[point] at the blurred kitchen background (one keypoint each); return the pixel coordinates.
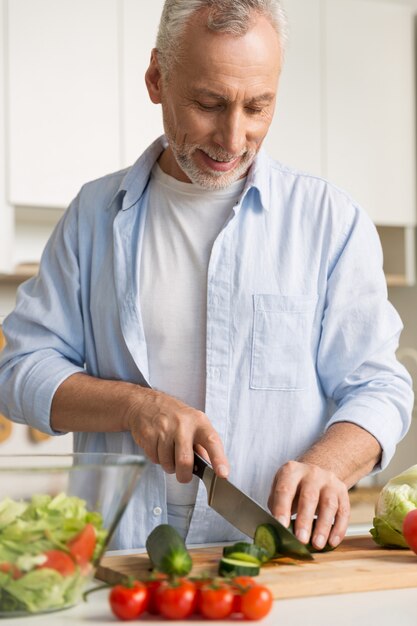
(73, 106)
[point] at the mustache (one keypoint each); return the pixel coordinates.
(221, 155)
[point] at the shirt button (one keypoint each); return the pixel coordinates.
(157, 510)
(217, 373)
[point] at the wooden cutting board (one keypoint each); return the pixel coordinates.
(358, 564)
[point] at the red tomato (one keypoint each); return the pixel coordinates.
(256, 602)
(410, 529)
(216, 602)
(10, 568)
(82, 545)
(243, 582)
(153, 585)
(237, 602)
(129, 602)
(59, 561)
(176, 600)
(240, 583)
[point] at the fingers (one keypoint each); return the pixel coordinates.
(184, 457)
(210, 441)
(168, 430)
(283, 493)
(311, 491)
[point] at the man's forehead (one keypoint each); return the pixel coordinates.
(262, 96)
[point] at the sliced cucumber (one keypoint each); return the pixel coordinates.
(167, 551)
(234, 567)
(243, 551)
(266, 538)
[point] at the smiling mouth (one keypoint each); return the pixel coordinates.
(219, 165)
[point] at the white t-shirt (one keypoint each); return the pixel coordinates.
(182, 223)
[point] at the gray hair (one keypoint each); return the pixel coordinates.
(226, 16)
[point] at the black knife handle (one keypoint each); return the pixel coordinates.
(199, 465)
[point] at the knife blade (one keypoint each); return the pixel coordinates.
(242, 512)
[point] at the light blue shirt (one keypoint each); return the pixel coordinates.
(300, 333)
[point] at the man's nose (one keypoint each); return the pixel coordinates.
(231, 133)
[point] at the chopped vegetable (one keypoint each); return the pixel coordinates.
(243, 551)
(167, 551)
(267, 538)
(234, 567)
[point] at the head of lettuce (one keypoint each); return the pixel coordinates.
(397, 498)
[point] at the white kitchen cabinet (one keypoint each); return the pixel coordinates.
(6, 210)
(63, 97)
(75, 105)
(295, 136)
(369, 103)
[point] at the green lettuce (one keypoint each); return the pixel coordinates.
(10, 510)
(27, 531)
(397, 498)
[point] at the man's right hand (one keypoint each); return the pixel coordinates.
(168, 431)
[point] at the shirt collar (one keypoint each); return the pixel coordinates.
(137, 177)
(135, 180)
(259, 179)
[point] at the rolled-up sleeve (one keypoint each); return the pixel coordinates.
(360, 334)
(44, 334)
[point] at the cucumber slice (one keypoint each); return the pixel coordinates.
(267, 538)
(234, 567)
(246, 558)
(243, 551)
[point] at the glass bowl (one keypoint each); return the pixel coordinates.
(57, 516)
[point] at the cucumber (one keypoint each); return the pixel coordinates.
(243, 551)
(267, 538)
(167, 552)
(327, 548)
(234, 567)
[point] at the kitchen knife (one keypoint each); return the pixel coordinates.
(244, 513)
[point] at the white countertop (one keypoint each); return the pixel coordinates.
(376, 608)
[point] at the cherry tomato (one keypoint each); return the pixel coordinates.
(176, 600)
(59, 561)
(10, 568)
(129, 601)
(256, 602)
(240, 583)
(216, 602)
(82, 546)
(243, 582)
(410, 529)
(153, 585)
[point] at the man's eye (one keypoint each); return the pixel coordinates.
(254, 110)
(208, 107)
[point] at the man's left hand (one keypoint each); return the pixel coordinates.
(309, 490)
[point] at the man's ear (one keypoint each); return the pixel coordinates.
(153, 78)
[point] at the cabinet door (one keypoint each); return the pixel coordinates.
(370, 106)
(142, 120)
(63, 97)
(295, 136)
(6, 211)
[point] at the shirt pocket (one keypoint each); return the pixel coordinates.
(281, 342)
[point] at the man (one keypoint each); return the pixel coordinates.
(209, 298)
